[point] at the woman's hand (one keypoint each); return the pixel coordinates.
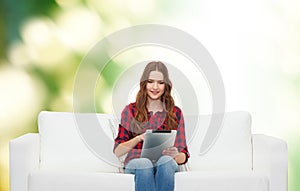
(140, 137)
(171, 151)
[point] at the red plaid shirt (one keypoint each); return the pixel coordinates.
(157, 122)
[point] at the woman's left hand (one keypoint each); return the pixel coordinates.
(172, 152)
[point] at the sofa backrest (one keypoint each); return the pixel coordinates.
(232, 148)
(65, 145)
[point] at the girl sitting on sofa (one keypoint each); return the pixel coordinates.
(154, 109)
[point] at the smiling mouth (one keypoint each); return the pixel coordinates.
(155, 92)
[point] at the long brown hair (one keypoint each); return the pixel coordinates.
(141, 99)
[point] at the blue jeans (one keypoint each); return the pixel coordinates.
(153, 177)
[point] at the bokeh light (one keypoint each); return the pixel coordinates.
(21, 98)
(41, 38)
(79, 28)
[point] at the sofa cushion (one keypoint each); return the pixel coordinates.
(79, 181)
(62, 145)
(232, 149)
(192, 181)
(221, 180)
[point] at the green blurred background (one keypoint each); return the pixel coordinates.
(255, 44)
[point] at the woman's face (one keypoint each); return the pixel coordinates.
(155, 85)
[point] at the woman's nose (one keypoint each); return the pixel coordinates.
(155, 85)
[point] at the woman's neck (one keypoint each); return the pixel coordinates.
(155, 106)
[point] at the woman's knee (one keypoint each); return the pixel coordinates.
(167, 163)
(165, 159)
(139, 163)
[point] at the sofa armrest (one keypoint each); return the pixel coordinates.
(24, 154)
(270, 155)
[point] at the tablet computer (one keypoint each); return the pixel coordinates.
(155, 142)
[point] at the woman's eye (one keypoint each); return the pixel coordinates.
(150, 81)
(161, 82)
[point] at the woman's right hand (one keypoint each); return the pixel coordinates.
(140, 137)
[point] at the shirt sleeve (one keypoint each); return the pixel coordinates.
(124, 133)
(180, 141)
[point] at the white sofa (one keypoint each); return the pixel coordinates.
(65, 155)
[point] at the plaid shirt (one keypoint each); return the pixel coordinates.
(156, 122)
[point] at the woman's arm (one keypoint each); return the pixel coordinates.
(125, 147)
(180, 141)
(125, 140)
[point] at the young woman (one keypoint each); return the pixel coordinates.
(154, 109)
